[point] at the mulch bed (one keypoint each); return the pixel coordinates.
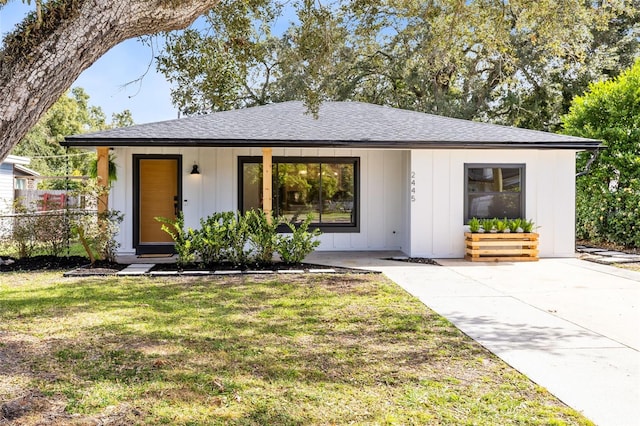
(276, 266)
(609, 246)
(80, 266)
(54, 263)
(423, 260)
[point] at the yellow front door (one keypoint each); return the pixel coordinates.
(158, 192)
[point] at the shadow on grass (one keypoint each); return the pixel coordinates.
(245, 350)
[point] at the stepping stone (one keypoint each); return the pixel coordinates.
(609, 253)
(588, 249)
(136, 269)
(627, 256)
(227, 272)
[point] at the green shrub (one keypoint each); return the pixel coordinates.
(183, 238)
(297, 245)
(211, 241)
(237, 238)
(609, 216)
(23, 236)
(97, 232)
(263, 236)
(52, 230)
(240, 239)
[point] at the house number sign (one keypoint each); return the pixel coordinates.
(413, 186)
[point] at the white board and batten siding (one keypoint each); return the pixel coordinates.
(383, 203)
(436, 215)
(410, 200)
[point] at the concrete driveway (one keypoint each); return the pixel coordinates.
(571, 326)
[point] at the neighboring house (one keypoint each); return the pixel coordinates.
(14, 176)
(374, 178)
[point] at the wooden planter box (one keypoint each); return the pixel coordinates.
(510, 247)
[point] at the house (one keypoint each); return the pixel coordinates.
(373, 177)
(15, 176)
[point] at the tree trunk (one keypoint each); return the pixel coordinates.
(32, 78)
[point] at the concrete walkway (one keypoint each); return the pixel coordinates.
(571, 326)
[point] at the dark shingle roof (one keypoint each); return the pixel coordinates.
(352, 124)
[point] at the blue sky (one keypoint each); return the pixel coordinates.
(106, 80)
(148, 100)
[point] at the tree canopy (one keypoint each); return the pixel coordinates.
(47, 51)
(71, 114)
(498, 61)
(507, 62)
(608, 197)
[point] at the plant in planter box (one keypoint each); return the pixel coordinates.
(515, 225)
(502, 225)
(487, 224)
(474, 225)
(527, 226)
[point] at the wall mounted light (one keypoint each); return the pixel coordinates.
(194, 170)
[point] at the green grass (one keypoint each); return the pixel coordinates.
(7, 249)
(305, 350)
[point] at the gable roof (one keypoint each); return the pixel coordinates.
(339, 124)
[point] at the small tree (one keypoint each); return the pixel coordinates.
(96, 232)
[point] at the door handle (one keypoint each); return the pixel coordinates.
(175, 205)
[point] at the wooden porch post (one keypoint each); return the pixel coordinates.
(103, 178)
(267, 206)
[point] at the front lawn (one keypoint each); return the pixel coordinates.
(248, 350)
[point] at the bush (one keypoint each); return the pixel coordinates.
(183, 239)
(238, 250)
(96, 231)
(605, 215)
(223, 237)
(23, 236)
(297, 245)
(263, 236)
(240, 239)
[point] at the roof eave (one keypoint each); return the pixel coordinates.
(364, 144)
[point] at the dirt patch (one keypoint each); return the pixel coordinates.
(608, 246)
(34, 408)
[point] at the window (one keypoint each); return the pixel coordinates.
(494, 190)
(325, 188)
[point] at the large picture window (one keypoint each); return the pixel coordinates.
(325, 188)
(494, 190)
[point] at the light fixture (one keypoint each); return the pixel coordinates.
(194, 170)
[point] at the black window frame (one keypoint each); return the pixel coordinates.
(520, 166)
(352, 227)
